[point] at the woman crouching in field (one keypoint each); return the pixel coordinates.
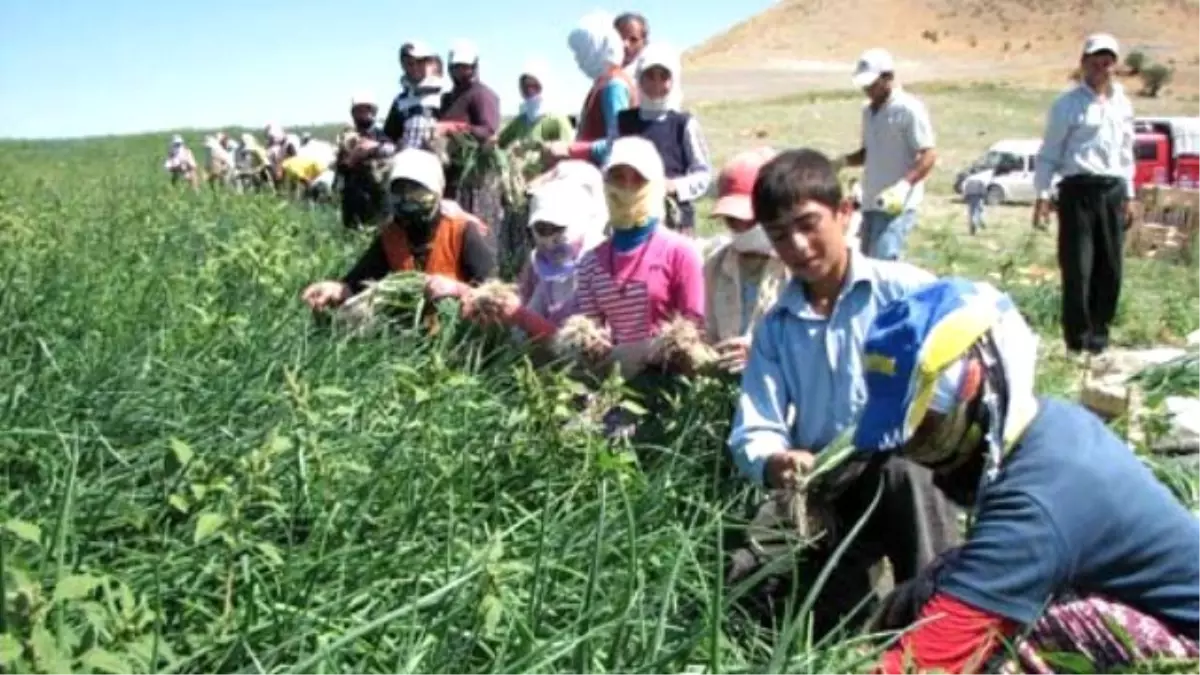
(1075, 548)
(425, 234)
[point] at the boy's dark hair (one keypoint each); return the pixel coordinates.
(792, 177)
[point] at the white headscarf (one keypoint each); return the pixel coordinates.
(575, 189)
(658, 54)
(597, 45)
(534, 107)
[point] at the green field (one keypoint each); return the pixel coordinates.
(200, 479)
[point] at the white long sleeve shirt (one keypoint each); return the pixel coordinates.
(1087, 135)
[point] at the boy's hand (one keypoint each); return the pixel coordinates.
(784, 469)
(733, 354)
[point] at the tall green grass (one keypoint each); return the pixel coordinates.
(197, 478)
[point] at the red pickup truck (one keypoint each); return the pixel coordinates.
(1166, 151)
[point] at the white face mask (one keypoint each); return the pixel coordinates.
(532, 107)
(753, 240)
(655, 105)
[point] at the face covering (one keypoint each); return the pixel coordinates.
(654, 105)
(555, 256)
(417, 212)
(753, 240)
(531, 108)
(628, 209)
(363, 123)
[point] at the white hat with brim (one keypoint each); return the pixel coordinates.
(421, 167)
(420, 50)
(871, 65)
(639, 154)
(1101, 42)
(464, 53)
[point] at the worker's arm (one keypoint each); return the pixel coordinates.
(484, 111)
(372, 265)
(698, 174)
(951, 637)
(478, 256)
(1050, 156)
(921, 137)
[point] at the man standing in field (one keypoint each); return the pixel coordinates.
(897, 155)
(1089, 142)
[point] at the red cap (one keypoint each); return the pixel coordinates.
(736, 183)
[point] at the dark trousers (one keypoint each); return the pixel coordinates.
(1091, 237)
(911, 525)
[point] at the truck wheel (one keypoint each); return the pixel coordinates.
(995, 195)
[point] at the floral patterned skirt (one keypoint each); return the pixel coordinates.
(1093, 634)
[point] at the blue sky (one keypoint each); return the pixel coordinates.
(92, 67)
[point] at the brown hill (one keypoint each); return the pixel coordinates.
(949, 39)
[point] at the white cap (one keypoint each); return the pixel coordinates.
(464, 52)
(661, 55)
(552, 203)
(638, 153)
(419, 49)
(872, 64)
(1101, 42)
(421, 167)
(177, 140)
(363, 98)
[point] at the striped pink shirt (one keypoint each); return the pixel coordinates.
(652, 283)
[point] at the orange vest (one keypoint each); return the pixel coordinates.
(591, 124)
(445, 251)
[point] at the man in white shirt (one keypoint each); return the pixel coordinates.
(897, 155)
(1089, 142)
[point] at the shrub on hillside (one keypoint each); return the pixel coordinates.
(1135, 61)
(1154, 78)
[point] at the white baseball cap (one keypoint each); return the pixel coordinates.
(363, 98)
(464, 52)
(871, 64)
(419, 50)
(1101, 42)
(421, 167)
(639, 154)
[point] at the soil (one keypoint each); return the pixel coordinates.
(801, 45)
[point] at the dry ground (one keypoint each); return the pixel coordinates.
(800, 45)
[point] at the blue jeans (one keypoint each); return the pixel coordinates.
(975, 213)
(884, 235)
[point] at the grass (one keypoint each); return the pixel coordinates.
(198, 479)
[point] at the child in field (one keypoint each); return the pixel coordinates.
(676, 135)
(644, 274)
(743, 276)
(564, 230)
(1075, 547)
(975, 195)
(805, 358)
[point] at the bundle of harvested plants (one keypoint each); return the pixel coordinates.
(493, 298)
(681, 347)
(582, 339)
(398, 298)
(477, 163)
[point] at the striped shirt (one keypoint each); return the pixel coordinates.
(636, 292)
(1087, 136)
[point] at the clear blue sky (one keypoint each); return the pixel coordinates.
(89, 67)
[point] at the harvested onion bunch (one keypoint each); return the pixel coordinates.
(681, 347)
(582, 339)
